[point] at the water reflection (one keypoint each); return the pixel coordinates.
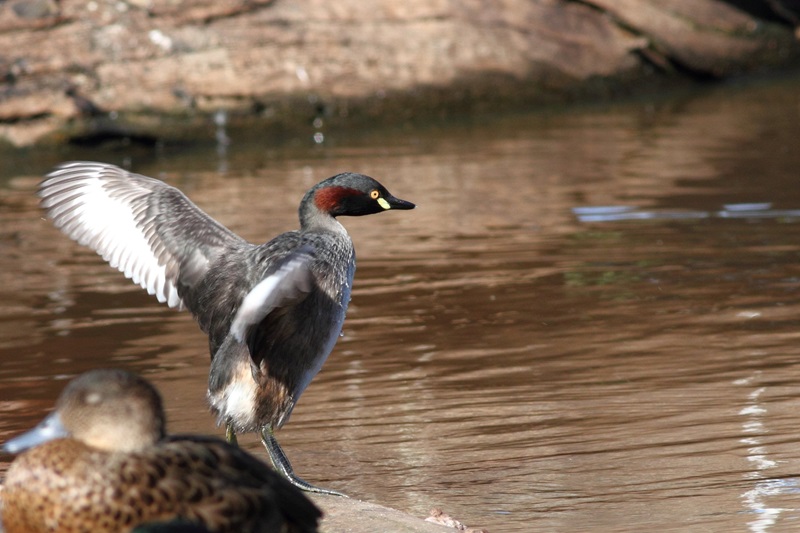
(765, 488)
(616, 213)
(505, 357)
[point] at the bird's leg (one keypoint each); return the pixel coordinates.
(230, 435)
(282, 465)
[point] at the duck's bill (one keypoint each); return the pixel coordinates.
(48, 429)
(396, 203)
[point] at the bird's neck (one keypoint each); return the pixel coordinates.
(313, 219)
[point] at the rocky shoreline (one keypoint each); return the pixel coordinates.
(356, 516)
(151, 71)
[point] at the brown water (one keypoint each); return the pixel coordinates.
(523, 365)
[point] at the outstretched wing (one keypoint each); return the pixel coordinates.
(288, 282)
(148, 230)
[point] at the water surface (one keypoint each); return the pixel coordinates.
(506, 357)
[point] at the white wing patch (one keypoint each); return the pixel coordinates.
(80, 205)
(289, 283)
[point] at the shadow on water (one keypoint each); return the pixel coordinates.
(505, 357)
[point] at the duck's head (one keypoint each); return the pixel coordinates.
(110, 410)
(350, 194)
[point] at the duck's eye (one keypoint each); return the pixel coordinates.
(375, 194)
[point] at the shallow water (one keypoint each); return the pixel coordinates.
(580, 327)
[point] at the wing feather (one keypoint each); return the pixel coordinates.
(148, 230)
(289, 282)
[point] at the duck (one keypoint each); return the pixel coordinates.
(103, 462)
(272, 312)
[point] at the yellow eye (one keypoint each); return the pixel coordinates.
(375, 194)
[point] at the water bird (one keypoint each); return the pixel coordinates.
(102, 462)
(272, 312)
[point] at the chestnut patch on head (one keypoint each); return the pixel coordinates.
(329, 198)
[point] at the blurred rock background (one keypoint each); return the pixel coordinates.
(152, 70)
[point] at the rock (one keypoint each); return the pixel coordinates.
(355, 516)
(437, 516)
(709, 38)
(161, 70)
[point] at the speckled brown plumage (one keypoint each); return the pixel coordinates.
(66, 485)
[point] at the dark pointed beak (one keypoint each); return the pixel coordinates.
(397, 203)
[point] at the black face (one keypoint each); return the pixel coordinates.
(356, 195)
